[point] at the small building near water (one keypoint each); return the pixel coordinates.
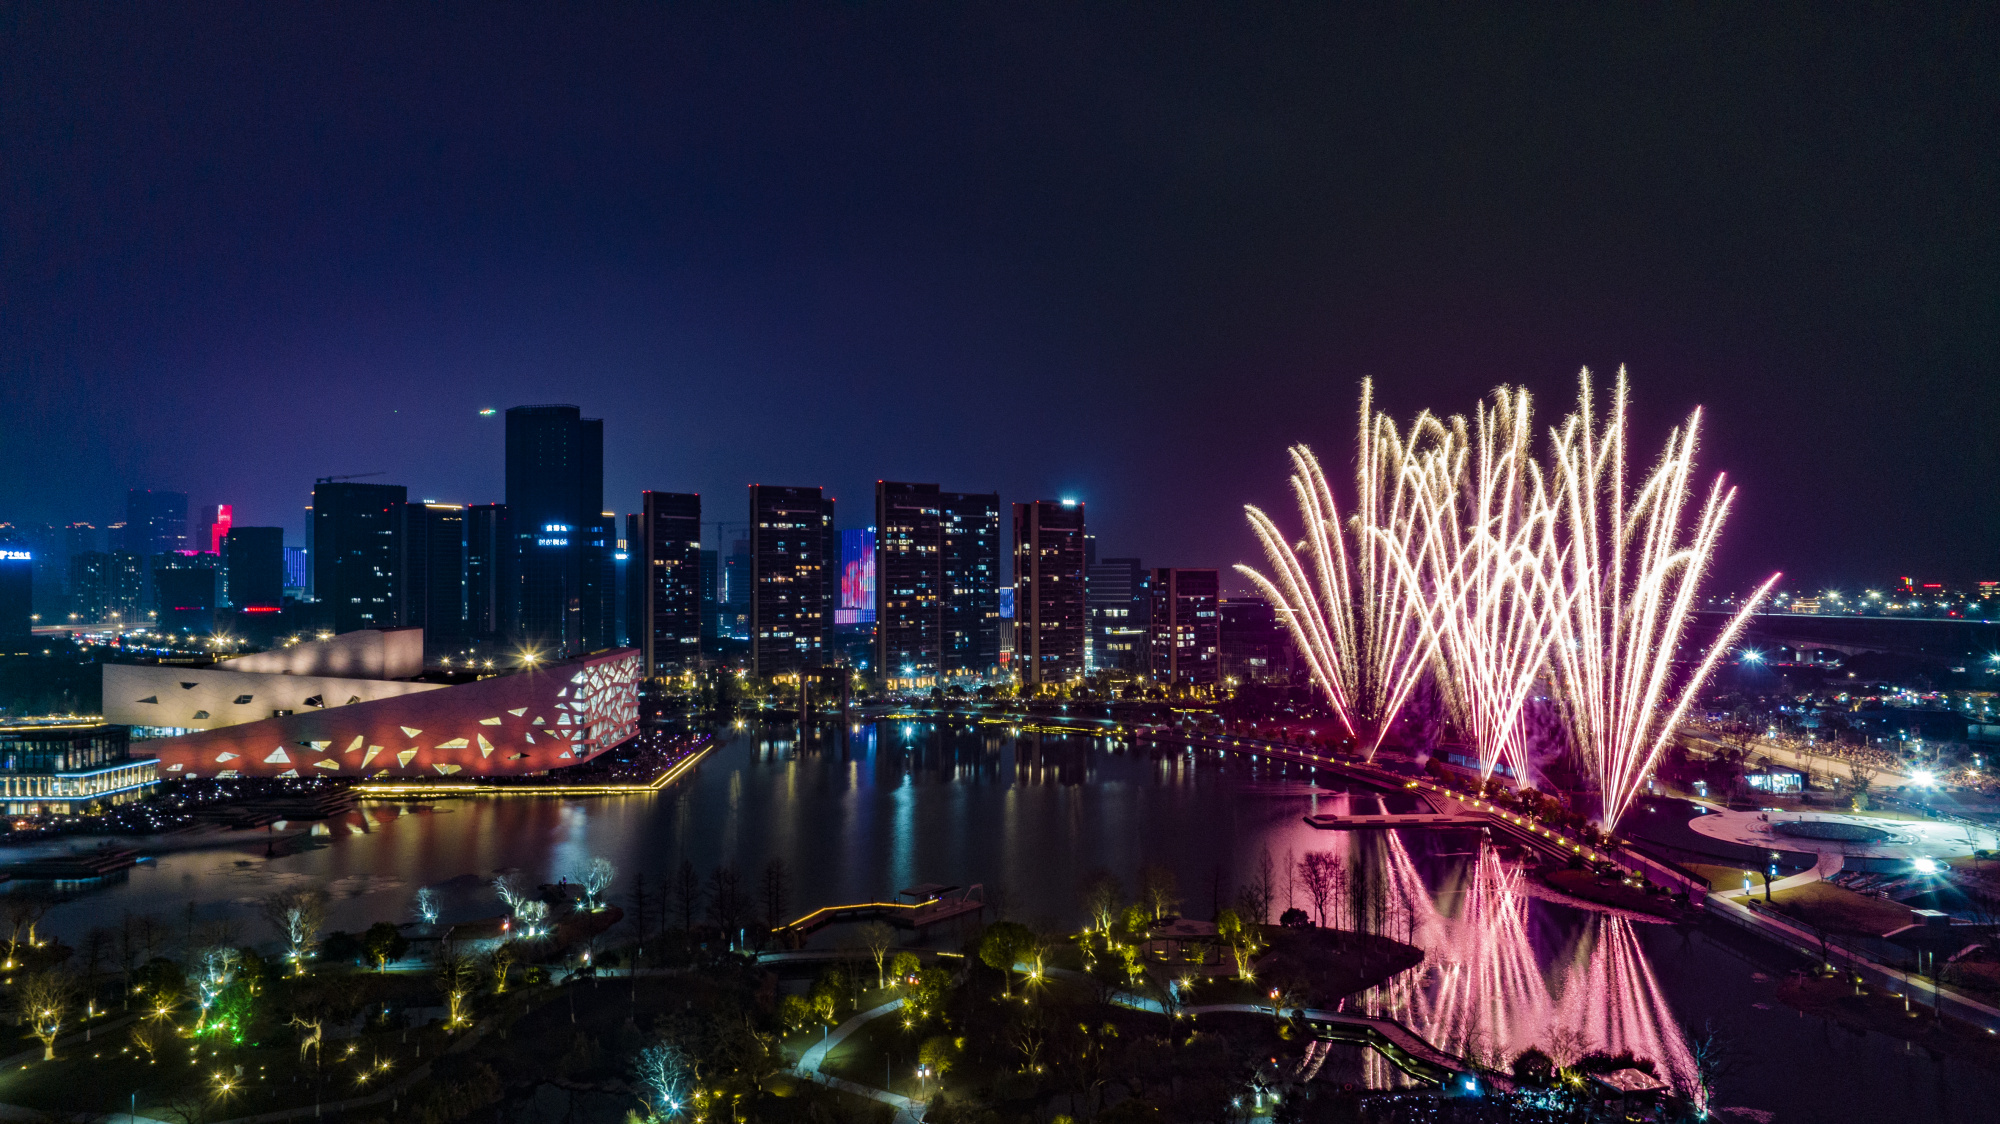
(66, 768)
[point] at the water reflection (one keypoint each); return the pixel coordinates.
(869, 811)
(1487, 992)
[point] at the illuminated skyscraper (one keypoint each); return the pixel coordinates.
(908, 578)
(17, 598)
(555, 497)
(791, 568)
(1121, 609)
(1185, 644)
(106, 587)
(213, 527)
(1049, 616)
(969, 541)
(356, 554)
(664, 541)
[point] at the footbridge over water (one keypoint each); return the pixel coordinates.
(930, 905)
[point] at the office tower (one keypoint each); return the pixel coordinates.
(555, 499)
(969, 540)
(789, 572)
(665, 543)
(186, 591)
(829, 581)
(17, 598)
(598, 564)
(155, 522)
(1256, 647)
(48, 546)
(297, 575)
(1185, 644)
(1048, 591)
(1121, 612)
(213, 527)
(738, 577)
(711, 610)
(430, 574)
(107, 587)
(908, 552)
(84, 538)
(489, 573)
(355, 553)
(253, 568)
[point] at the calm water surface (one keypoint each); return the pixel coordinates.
(890, 806)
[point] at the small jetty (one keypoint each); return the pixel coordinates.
(930, 904)
(76, 867)
(1383, 821)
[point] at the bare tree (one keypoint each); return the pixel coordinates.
(777, 893)
(878, 937)
(1318, 873)
(1102, 898)
(44, 1000)
(1159, 890)
(500, 960)
(23, 912)
(687, 894)
(298, 916)
(596, 878)
(725, 901)
(426, 905)
(456, 976)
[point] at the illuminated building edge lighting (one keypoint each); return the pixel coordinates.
(533, 721)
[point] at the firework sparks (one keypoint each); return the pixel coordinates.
(1487, 554)
(1630, 575)
(1346, 591)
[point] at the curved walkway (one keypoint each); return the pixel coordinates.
(907, 1110)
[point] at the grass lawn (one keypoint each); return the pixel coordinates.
(1876, 1010)
(1829, 907)
(1725, 878)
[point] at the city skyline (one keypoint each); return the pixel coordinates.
(956, 256)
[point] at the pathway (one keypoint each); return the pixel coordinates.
(907, 1110)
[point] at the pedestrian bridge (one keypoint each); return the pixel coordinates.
(931, 905)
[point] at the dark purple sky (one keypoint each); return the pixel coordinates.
(1123, 253)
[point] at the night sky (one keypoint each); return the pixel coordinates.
(1123, 253)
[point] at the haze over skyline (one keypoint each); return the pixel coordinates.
(1122, 256)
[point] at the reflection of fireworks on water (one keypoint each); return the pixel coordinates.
(1481, 993)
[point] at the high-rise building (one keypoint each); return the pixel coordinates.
(17, 598)
(83, 538)
(253, 568)
(969, 541)
(356, 554)
(490, 579)
(737, 580)
(1121, 612)
(1048, 591)
(908, 553)
(790, 569)
(1185, 645)
(187, 590)
(155, 522)
(599, 566)
(711, 607)
(1256, 646)
(106, 587)
(213, 527)
(555, 499)
(664, 539)
(430, 574)
(298, 572)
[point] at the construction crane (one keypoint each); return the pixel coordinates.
(356, 476)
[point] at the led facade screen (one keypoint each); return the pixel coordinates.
(857, 578)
